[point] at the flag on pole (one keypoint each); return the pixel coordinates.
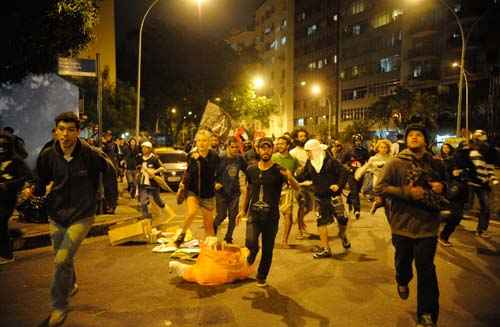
(216, 120)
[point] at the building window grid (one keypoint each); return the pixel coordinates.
(357, 7)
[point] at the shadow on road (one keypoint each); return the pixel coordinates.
(271, 301)
(205, 291)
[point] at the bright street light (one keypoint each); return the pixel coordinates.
(174, 110)
(316, 89)
(258, 82)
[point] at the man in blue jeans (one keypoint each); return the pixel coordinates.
(227, 187)
(414, 223)
(73, 167)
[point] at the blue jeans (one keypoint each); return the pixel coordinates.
(66, 241)
(226, 207)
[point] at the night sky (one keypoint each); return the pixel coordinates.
(218, 16)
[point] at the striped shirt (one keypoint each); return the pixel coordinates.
(484, 171)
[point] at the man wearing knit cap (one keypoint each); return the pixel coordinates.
(414, 222)
(328, 178)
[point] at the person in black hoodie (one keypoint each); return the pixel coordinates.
(414, 222)
(227, 187)
(328, 178)
(13, 174)
(74, 168)
(199, 184)
(354, 159)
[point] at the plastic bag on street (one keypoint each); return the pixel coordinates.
(217, 266)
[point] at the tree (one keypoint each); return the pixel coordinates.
(41, 31)
(244, 105)
(118, 103)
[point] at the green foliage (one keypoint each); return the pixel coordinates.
(118, 103)
(243, 104)
(41, 31)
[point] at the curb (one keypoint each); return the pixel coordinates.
(43, 239)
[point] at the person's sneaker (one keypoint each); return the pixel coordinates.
(180, 239)
(483, 234)
(4, 261)
(425, 320)
(74, 290)
(261, 282)
(444, 242)
(357, 214)
(57, 317)
(403, 291)
(345, 242)
(324, 253)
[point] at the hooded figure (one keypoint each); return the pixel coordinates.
(317, 154)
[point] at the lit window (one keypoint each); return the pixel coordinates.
(283, 40)
(342, 74)
(300, 122)
(418, 71)
(312, 29)
(274, 45)
(381, 20)
(335, 17)
(335, 58)
(386, 65)
(268, 30)
(357, 7)
(320, 64)
(284, 23)
(356, 29)
(355, 71)
(396, 13)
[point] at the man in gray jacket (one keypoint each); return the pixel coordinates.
(408, 182)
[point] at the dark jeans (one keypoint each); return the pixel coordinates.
(6, 210)
(457, 213)
(268, 227)
(353, 197)
(483, 195)
(226, 207)
(421, 250)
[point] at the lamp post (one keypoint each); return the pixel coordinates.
(138, 103)
(462, 60)
(465, 73)
(316, 91)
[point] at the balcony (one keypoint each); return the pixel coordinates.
(425, 51)
(423, 28)
(432, 75)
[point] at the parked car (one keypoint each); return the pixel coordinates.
(175, 164)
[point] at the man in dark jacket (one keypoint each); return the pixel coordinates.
(414, 224)
(328, 178)
(13, 174)
(73, 167)
(354, 159)
(227, 187)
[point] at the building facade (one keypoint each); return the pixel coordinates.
(274, 27)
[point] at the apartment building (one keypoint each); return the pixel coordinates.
(274, 27)
(315, 65)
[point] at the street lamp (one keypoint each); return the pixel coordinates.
(258, 82)
(173, 111)
(461, 64)
(316, 91)
(465, 73)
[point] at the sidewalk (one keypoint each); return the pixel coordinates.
(37, 235)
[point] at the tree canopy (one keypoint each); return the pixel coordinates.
(41, 31)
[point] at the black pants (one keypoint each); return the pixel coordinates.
(457, 213)
(353, 197)
(268, 227)
(226, 207)
(483, 194)
(6, 210)
(421, 250)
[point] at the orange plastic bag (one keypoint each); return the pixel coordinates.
(216, 267)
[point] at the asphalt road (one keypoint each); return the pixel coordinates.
(131, 286)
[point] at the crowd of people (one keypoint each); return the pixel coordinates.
(285, 179)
